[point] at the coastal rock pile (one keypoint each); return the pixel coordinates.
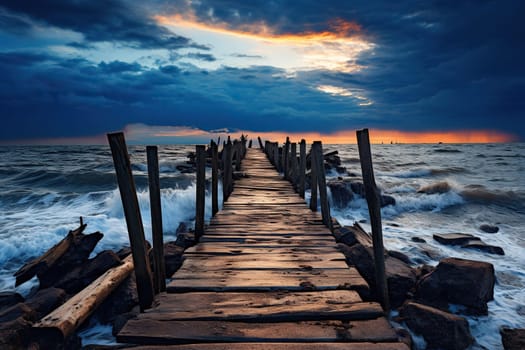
(66, 269)
(344, 191)
(423, 294)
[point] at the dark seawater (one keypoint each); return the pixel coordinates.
(45, 189)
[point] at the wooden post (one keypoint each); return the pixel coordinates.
(293, 164)
(238, 154)
(227, 172)
(374, 208)
(276, 156)
(302, 167)
(317, 148)
(313, 180)
(159, 280)
(214, 178)
(260, 142)
(130, 203)
(200, 195)
(286, 157)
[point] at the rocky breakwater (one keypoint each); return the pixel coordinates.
(64, 270)
(422, 295)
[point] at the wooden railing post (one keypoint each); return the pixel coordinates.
(374, 208)
(317, 149)
(214, 178)
(302, 167)
(238, 154)
(227, 172)
(286, 157)
(293, 164)
(131, 207)
(200, 193)
(313, 180)
(260, 142)
(159, 280)
(276, 156)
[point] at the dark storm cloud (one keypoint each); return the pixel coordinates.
(112, 21)
(201, 56)
(437, 64)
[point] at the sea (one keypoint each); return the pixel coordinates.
(44, 190)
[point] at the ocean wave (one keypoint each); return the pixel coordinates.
(447, 150)
(480, 194)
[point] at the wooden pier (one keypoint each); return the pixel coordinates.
(266, 274)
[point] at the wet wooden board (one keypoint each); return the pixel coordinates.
(235, 249)
(281, 346)
(177, 332)
(262, 261)
(268, 280)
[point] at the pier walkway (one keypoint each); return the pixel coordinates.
(267, 274)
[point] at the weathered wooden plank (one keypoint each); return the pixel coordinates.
(268, 280)
(281, 346)
(263, 306)
(232, 249)
(260, 262)
(177, 332)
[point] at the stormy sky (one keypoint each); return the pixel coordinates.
(180, 71)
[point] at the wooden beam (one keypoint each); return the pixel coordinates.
(63, 321)
(214, 178)
(201, 190)
(130, 203)
(374, 208)
(156, 219)
(313, 180)
(317, 148)
(302, 168)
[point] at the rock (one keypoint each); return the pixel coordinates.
(484, 247)
(423, 270)
(46, 300)
(387, 200)
(441, 330)
(8, 299)
(340, 169)
(438, 187)
(123, 252)
(418, 240)
(341, 193)
(513, 339)
(172, 257)
(345, 236)
(489, 228)
(455, 238)
(121, 301)
(20, 310)
(77, 254)
(185, 240)
(358, 188)
(182, 228)
(401, 280)
(459, 281)
(404, 336)
(81, 276)
(401, 256)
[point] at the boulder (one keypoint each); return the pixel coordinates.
(387, 200)
(182, 228)
(46, 300)
(441, 330)
(484, 247)
(513, 339)
(438, 187)
(341, 193)
(81, 276)
(8, 299)
(489, 228)
(418, 239)
(459, 281)
(172, 257)
(185, 240)
(121, 301)
(455, 238)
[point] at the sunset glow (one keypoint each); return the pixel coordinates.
(336, 49)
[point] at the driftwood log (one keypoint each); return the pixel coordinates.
(75, 246)
(55, 328)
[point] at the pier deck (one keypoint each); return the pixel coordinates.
(266, 275)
